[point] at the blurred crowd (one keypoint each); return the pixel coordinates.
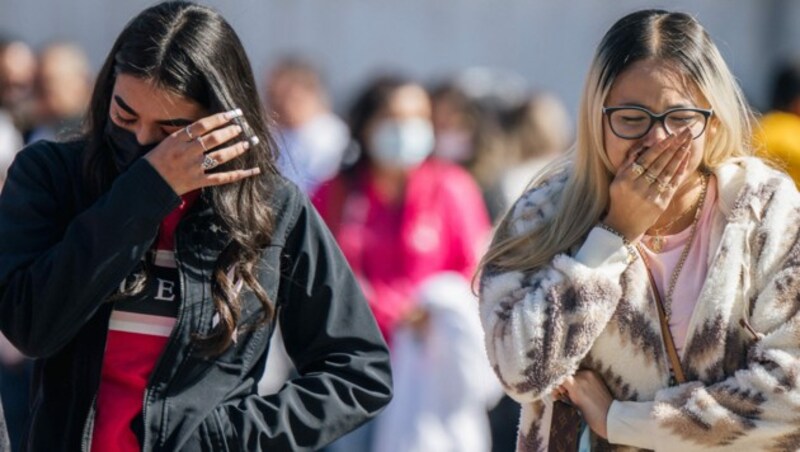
(409, 178)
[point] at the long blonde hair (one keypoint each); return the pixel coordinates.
(677, 39)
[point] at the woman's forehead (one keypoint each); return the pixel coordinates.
(152, 101)
(654, 84)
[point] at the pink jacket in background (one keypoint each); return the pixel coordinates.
(441, 225)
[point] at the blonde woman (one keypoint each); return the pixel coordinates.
(659, 215)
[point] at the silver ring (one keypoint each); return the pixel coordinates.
(203, 145)
(663, 186)
(188, 130)
(209, 162)
(650, 178)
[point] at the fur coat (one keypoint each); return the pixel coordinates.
(742, 351)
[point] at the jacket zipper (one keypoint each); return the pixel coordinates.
(170, 343)
(88, 424)
(86, 441)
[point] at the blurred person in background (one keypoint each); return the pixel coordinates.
(312, 141)
(470, 115)
(10, 143)
(17, 64)
(537, 132)
(145, 264)
(63, 90)
(648, 281)
(778, 136)
(17, 73)
(442, 378)
(455, 119)
(17, 77)
(311, 138)
(400, 217)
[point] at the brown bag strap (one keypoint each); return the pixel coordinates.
(666, 334)
(565, 428)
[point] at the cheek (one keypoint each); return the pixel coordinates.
(698, 150)
(616, 148)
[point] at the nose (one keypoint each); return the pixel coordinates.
(147, 135)
(656, 133)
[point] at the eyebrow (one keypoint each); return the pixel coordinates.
(175, 122)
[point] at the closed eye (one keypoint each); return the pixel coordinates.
(125, 121)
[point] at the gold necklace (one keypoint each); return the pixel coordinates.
(686, 248)
(657, 241)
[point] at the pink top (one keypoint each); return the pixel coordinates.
(440, 225)
(692, 276)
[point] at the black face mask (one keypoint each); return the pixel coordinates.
(126, 149)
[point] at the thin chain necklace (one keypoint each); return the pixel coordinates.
(686, 248)
(657, 241)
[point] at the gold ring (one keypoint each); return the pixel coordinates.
(209, 162)
(188, 130)
(650, 178)
(637, 169)
(200, 140)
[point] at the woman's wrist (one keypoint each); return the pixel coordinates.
(629, 246)
(611, 225)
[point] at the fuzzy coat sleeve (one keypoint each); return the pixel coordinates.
(758, 407)
(539, 325)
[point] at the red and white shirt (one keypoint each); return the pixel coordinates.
(137, 334)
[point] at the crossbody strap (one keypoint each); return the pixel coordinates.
(666, 334)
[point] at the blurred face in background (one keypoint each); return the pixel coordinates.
(63, 82)
(454, 128)
(294, 96)
(400, 136)
(17, 72)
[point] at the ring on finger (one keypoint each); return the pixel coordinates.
(637, 169)
(203, 145)
(209, 162)
(188, 130)
(662, 186)
(650, 177)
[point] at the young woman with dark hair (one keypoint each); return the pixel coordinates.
(146, 263)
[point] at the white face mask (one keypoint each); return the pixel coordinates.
(402, 143)
(453, 145)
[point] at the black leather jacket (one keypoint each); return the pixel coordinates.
(62, 253)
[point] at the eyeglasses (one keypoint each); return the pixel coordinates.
(631, 123)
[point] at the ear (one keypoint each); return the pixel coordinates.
(712, 127)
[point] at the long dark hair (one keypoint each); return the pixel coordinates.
(192, 51)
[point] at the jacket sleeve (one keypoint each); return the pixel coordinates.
(758, 407)
(330, 334)
(539, 325)
(56, 269)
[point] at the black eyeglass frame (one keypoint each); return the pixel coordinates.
(607, 111)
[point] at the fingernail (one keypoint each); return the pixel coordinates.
(246, 144)
(234, 113)
(255, 140)
(255, 171)
(237, 129)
